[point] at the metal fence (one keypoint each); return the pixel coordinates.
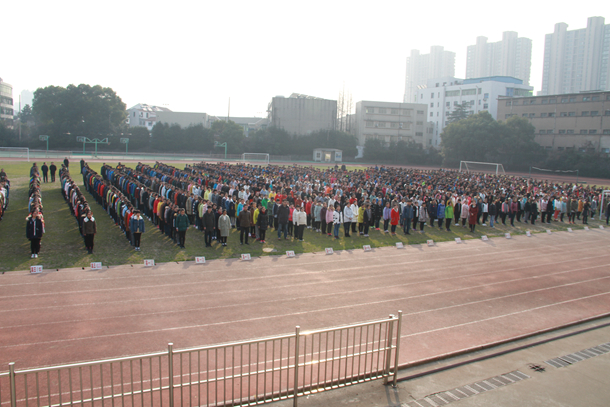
(233, 374)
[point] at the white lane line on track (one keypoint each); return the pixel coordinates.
(198, 326)
(284, 275)
(300, 285)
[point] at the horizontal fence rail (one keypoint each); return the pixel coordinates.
(232, 374)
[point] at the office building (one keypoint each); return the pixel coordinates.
(392, 122)
(143, 115)
(577, 60)
(443, 95)
(569, 121)
(512, 56)
(438, 63)
(6, 104)
(301, 114)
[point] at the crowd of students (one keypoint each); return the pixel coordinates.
(5, 187)
(34, 226)
(79, 208)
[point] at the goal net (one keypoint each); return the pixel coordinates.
(261, 158)
(22, 153)
(554, 175)
(487, 168)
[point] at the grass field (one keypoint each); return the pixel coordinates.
(62, 245)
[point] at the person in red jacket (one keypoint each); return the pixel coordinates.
(394, 218)
(472, 215)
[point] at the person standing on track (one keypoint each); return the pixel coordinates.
(89, 231)
(45, 172)
(136, 226)
(224, 225)
(34, 229)
(244, 225)
(53, 169)
(182, 225)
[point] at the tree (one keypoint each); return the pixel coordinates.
(26, 116)
(461, 112)
(230, 133)
(82, 110)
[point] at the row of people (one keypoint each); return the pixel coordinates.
(5, 187)
(35, 225)
(79, 208)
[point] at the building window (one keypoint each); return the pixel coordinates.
(552, 101)
(432, 104)
(572, 114)
(532, 115)
(585, 113)
(432, 95)
(472, 103)
(544, 101)
(552, 114)
(607, 113)
(394, 125)
(572, 100)
(452, 93)
(595, 99)
(563, 114)
(508, 103)
(548, 148)
(420, 112)
(543, 114)
(431, 114)
(607, 131)
(570, 131)
(381, 124)
(394, 111)
(606, 150)
(583, 132)
(419, 123)
(486, 106)
(560, 148)
(542, 131)
(515, 102)
(549, 132)
(370, 110)
(382, 111)
(586, 99)
(592, 131)
(370, 123)
(562, 132)
(525, 114)
(594, 113)
(468, 92)
(418, 134)
(486, 96)
(448, 104)
(564, 100)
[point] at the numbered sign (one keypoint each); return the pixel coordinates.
(570, 230)
(507, 235)
(458, 240)
(96, 266)
(289, 253)
(35, 269)
(601, 227)
(430, 242)
(528, 234)
(484, 238)
(399, 245)
(329, 250)
(367, 247)
(246, 256)
(586, 227)
(149, 263)
(200, 260)
(548, 231)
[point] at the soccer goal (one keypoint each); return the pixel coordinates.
(488, 168)
(15, 152)
(261, 158)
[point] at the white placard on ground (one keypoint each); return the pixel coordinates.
(399, 245)
(290, 253)
(366, 247)
(96, 265)
(507, 235)
(430, 242)
(570, 230)
(245, 256)
(548, 231)
(149, 263)
(586, 227)
(458, 240)
(329, 250)
(200, 260)
(484, 238)
(601, 226)
(528, 234)
(35, 269)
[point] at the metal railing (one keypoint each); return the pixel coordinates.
(233, 374)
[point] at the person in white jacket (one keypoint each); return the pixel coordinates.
(348, 218)
(299, 217)
(337, 221)
(354, 208)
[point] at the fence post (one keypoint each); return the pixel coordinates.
(11, 372)
(296, 365)
(388, 345)
(398, 329)
(170, 361)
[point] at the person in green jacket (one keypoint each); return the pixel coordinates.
(448, 214)
(182, 224)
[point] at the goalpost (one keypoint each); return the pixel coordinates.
(262, 158)
(488, 168)
(15, 152)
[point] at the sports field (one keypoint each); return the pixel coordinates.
(62, 245)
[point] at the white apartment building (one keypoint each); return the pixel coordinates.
(438, 63)
(577, 60)
(512, 56)
(6, 104)
(392, 122)
(143, 115)
(442, 95)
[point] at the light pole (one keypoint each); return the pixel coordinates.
(95, 141)
(126, 142)
(44, 137)
(217, 144)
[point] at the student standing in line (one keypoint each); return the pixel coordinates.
(34, 229)
(394, 218)
(136, 226)
(224, 224)
(337, 221)
(262, 224)
(244, 225)
(472, 215)
(209, 224)
(45, 172)
(448, 214)
(89, 231)
(53, 169)
(182, 225)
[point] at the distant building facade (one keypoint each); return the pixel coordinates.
(249, 124)
(569, 121)
(512, 56)
(392, 122)
(438, 63)
(143, 115)
(443, 95)
(301, 114)
(6, 104)
(182, 119)
(577, 60)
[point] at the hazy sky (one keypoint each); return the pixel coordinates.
(194, 55)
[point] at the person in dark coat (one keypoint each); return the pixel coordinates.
(53, 169)
(45, 172)
(473, 212)
(262, 223)
(209, 225)
(89, 229)
(244, 225)
(34, 229)
(182, 225)
(283, 213)
(136, 226)
(67, 163)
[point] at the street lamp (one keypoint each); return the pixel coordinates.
(44, 137)
(126, 142)
(217, 144)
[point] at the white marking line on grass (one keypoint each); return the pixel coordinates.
(325, 310)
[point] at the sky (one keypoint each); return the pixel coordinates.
(193, 56)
